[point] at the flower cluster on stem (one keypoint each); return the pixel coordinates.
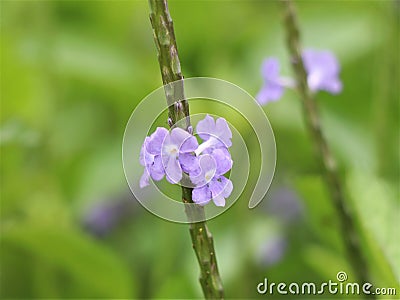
(170, 154)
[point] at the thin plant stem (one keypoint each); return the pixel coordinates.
(178, 115)
(312, 119)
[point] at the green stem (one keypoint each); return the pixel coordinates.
(312, 119)
(178, 109)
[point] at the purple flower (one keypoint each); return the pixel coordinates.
(177, 150)
(150, 157)
(104, 216)
(285, 205)
(272, 250)
(160, 155)
(172, 153)
(322, 70)
(273, 87)
(215, 134)
(209, 180)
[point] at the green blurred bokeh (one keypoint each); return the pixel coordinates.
(73, 71)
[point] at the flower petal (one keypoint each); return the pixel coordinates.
(270, 92)
(207, 163)
(223, 160)
(201, 195)
(178, 136)
(189, 162)
(145, 158)
(142, 159)
(221, 186)
(157, 164)
(219, 201)
(322, 71)
(205, 172)
(189, 145)
(216, 188)
(157, 169)
(314, 80)
(270, 68)
(333, 86)
(197, 178)
(205, 126)
(173, 170)
(156, 141)
(144, 180)
(228, 187)
(223, 132)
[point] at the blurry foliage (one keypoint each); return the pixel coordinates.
(73, 71)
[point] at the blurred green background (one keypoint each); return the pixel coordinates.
(73, 71)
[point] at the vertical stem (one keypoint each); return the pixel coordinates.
(170, 67)
(312, 119)
(178, 109)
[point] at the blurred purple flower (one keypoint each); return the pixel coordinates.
(285, 205)
(105, 215)
(273, 87)
(322, 70)
(209, 180)
(101, 219)
(272, 250)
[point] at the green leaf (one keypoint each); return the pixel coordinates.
(84, 267)
(375, 203)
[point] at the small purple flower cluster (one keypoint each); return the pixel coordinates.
(172, 153)
(322, 70)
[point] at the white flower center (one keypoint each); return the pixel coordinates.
(171, 150)
(209, 175)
